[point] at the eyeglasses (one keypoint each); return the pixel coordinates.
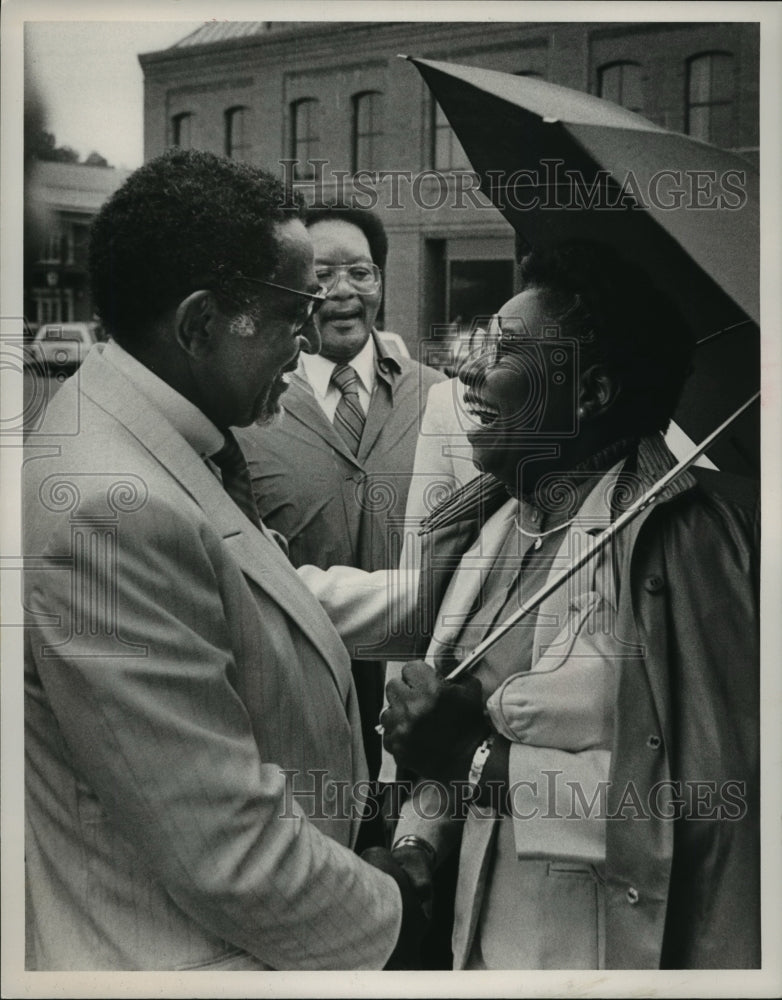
(363, 278)
(491, 343)
(308, 309)
(506, 335)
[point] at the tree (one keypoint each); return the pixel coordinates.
(42, 145)
(96, 160)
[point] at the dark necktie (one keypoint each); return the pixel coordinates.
(349, 418)
(236, 477)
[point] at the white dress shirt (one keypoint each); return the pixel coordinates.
(318, 371)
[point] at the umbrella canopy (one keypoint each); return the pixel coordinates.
(561, 164)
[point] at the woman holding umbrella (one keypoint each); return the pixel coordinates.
(600, 766)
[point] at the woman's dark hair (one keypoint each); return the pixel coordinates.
(621, 321)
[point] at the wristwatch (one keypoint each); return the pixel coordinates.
(479, 759)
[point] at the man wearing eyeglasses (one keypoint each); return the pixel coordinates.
(333, 475)
(189, 707)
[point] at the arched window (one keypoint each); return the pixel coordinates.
(710, 95)
(620, 82)
(182, 130)
(447, 152)
(305, 136)
(237, 139)
(367, 129)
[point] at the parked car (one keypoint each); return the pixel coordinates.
(62, 347)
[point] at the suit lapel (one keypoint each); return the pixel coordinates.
(380, 409)
(258, 555)
(300, 403)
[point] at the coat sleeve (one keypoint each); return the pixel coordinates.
(161, 736)
(374, 612)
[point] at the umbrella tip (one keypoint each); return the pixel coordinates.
(401, 55)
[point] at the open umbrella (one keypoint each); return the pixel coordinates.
(561, 164)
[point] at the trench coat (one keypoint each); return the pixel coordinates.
(682, 859)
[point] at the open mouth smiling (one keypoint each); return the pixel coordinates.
(344, 316)
(479, 410)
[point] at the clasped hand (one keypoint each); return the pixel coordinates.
(433, 726)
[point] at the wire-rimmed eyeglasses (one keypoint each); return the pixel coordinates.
(363, 278)
(308, 309)
(488, 343)
(503, 335)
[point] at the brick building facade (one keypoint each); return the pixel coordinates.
(329, 103)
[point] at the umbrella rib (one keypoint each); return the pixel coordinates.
(725, 329)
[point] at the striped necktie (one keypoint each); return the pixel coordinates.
(236, 477)
(349, 417)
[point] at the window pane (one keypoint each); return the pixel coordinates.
(364, 113)
(632, 91)
(305, 137)
(447, 151)
(699, 123)
(621, 83)
(459, 159)
(236, 133)
(367, 130)
(610, 87)
(699, 80)
(182, 133)
(710, 98)
(477, 288)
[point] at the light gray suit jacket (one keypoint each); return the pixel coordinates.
(175, 666)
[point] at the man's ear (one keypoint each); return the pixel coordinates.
(194, 323)
(597, 391)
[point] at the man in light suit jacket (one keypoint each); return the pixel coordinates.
(189, 708)
(338, 496)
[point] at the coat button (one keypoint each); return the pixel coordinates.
(632, 896)
(654, 742)
(654, 584)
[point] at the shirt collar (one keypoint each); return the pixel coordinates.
(318, 370)
(184, 416)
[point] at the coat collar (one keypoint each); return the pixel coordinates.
(259, 556)
(482, 500)
(301, 404)
(483, 495)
